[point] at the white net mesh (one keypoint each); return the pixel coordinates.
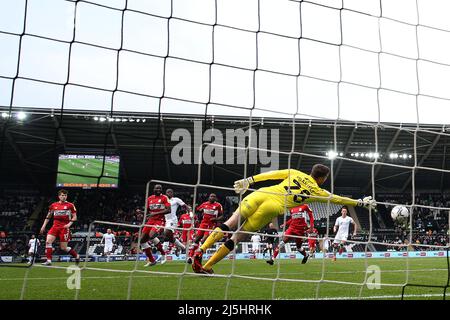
(372, 65)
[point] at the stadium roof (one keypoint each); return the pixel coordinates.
(30, 149)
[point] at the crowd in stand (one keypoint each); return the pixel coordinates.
(127, 209)
(426, 218)
(430, 225)
(431, 239)
(15, 211)
(10, 246)
(420, 242)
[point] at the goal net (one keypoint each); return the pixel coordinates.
(194, 95)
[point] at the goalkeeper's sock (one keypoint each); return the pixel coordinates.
(215, 236)
(223, 251)
(48, 252)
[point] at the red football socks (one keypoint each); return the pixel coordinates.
(48, 253)
(275, 252)
(148, 253)
(192, 250)
(160, 248)
(73, 253)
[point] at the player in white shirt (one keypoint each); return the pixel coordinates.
(172, 221)
(256, 243)
(33, 245)
(109, 239)
(342, 226)
(325, 244)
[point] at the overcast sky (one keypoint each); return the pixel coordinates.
(386, 69)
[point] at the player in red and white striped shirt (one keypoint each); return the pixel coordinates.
(64, 215)
(312, 240)
(212, 213)
(157, 206)
(297, 226)
(187, 221)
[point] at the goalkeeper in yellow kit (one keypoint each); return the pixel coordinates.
(263, 205)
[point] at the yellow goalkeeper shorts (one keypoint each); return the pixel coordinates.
(259, 208)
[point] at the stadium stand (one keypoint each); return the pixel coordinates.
(430, 226)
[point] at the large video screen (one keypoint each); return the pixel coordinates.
(83, 171)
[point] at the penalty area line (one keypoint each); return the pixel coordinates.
(425, 295)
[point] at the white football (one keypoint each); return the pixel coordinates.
(399, 213)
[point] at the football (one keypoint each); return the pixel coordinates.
(399, 213)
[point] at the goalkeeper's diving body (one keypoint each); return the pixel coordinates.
(263, 205)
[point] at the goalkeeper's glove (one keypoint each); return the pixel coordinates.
(241, 186)
(367, 202)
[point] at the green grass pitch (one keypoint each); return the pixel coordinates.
(93, 168)
(255, 282)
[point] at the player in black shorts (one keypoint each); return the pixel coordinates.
(270, 239)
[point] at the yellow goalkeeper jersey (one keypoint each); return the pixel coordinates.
(298, 188)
